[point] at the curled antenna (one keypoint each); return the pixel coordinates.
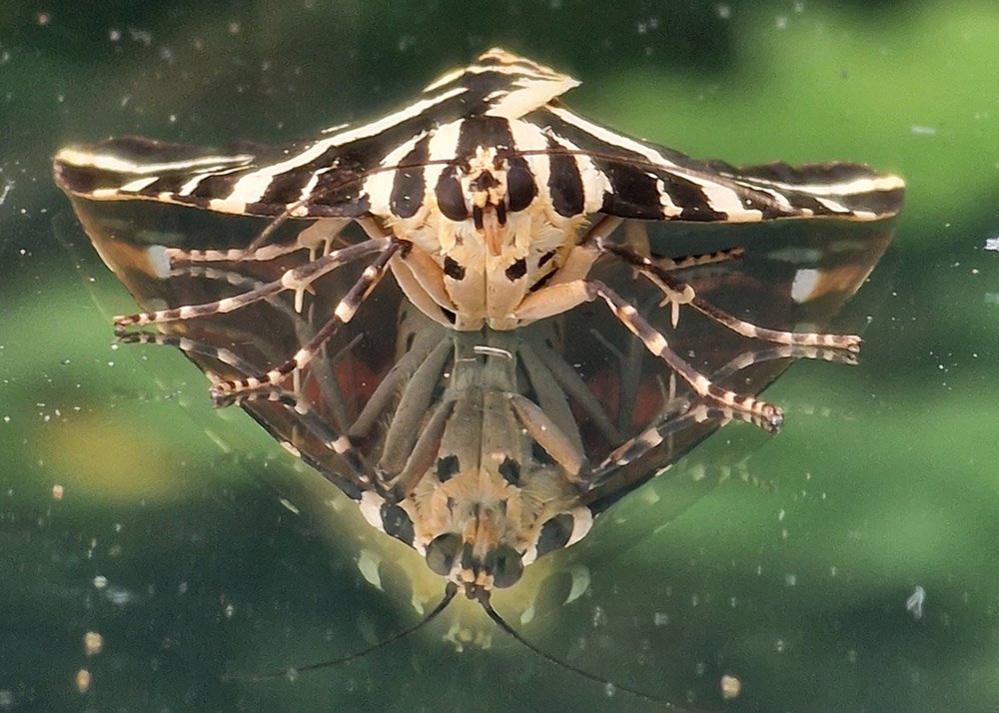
(292, 672)
(611, 685)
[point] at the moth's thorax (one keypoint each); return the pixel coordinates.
(491, 260)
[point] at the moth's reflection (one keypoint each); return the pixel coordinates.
(484, 451)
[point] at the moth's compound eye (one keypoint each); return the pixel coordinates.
(397, 523)
(441, 552)
(451, 199)
(519, 187)
(555, 533)
(509, 566)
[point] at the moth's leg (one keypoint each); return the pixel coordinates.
(292, 279)
(418, 296)
(422, 281)
(679, 292)
(238, 279)
(313, 422)
(322, 232)
(292, 401)
(402, 372)
(424, 452)
(668, 424)
(322, 370)
(572, 385)
(636, 238)
(550, 395)
(413, 406)
(190, 346)
(679, 415)
(429, 274)
(549, 436)
(559, 298)
(785, 351)
(342, 314)
(697, 260)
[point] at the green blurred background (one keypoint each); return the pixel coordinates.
(170, 539)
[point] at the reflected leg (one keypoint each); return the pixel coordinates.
(559, 298)
(342, 314)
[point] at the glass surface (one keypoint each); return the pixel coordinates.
(153, 546)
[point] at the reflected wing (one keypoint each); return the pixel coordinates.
(618, 175)
(318, 178)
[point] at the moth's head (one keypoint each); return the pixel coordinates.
(489, 551)
(478, 555)
(485, 188)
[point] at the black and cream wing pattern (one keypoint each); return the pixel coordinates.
(393, 166)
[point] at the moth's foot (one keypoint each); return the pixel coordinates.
(229, 389)
(770, 418)
(760, 413)
(851, 342)
(121, 322)
(222, 400)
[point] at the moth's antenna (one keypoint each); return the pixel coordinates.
(501, 623)
(293, 671)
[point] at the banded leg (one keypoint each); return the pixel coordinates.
(567, 381)
(190, 347)
(314, 423)
(677, 413)
(289, 400)
(679, 292)
(697, 260)
(342, 314)
(238, 279)
(636, 238)
(562, 297)
(293, 279)
(322, 370)
(321, 232)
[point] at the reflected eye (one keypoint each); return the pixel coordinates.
(441, 552)
(509, 567)
(555, 533)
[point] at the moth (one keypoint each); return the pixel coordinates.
(488, 200)
(485, 451)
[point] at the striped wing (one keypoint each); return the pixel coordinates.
(507, 102)
(601, 170)
(320, 178)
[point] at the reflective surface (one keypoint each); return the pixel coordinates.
(845, 564)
